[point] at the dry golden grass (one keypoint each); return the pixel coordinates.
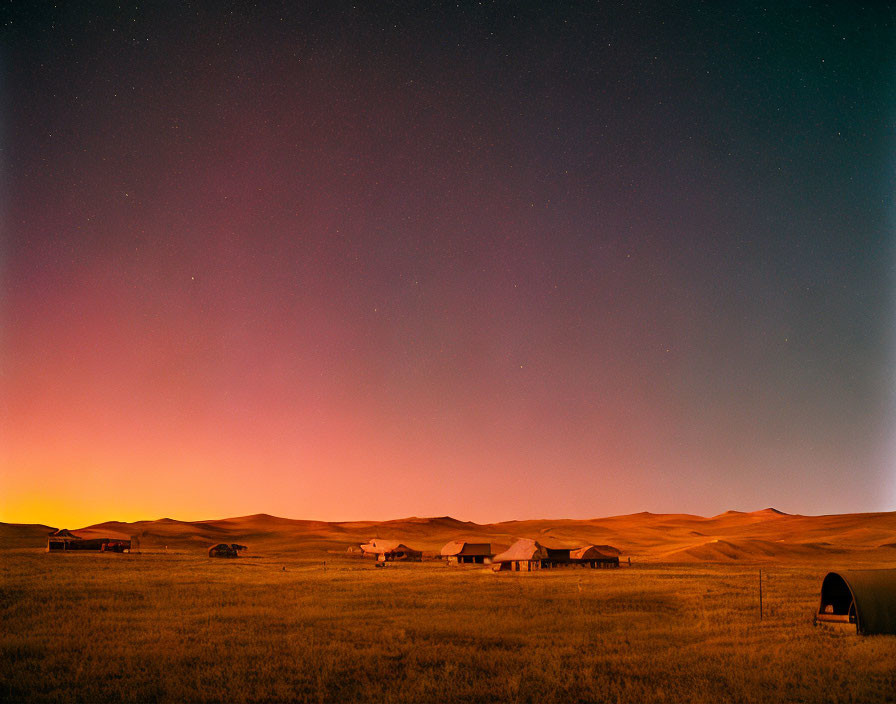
(184, 628)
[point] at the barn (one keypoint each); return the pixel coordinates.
(88, 539)
(860, 599)
(389, 550)
(460, 552)
(525, 555)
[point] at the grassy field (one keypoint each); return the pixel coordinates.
(183, 628)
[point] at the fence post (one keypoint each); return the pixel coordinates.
(760, 594)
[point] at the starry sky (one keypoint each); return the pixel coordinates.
(494, 260)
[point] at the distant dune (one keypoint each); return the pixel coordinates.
(733, 536)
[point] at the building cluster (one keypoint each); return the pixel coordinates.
(64, 540)
(528, 555)
(524, 555)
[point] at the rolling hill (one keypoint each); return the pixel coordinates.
(766, 535)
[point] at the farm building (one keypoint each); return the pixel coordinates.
(527, 555)
(591, 556)
(461, 552)
(524, 555)
(225, 550)
(865, 599)
(64, 540)
(389, 550)
(587, 556)
(557, 557)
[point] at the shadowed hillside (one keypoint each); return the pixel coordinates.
(23, 535)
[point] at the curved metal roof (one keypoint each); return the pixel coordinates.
(874, 595)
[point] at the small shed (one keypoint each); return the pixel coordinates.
(525, 555)
(389, 550)
(461, 552)
(225, 550)
(61, 539)
(864, 599)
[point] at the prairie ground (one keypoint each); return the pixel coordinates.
(184, 628)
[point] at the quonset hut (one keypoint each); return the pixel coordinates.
(461, 552)
(860, 599)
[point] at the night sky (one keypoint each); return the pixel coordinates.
(493, 260)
